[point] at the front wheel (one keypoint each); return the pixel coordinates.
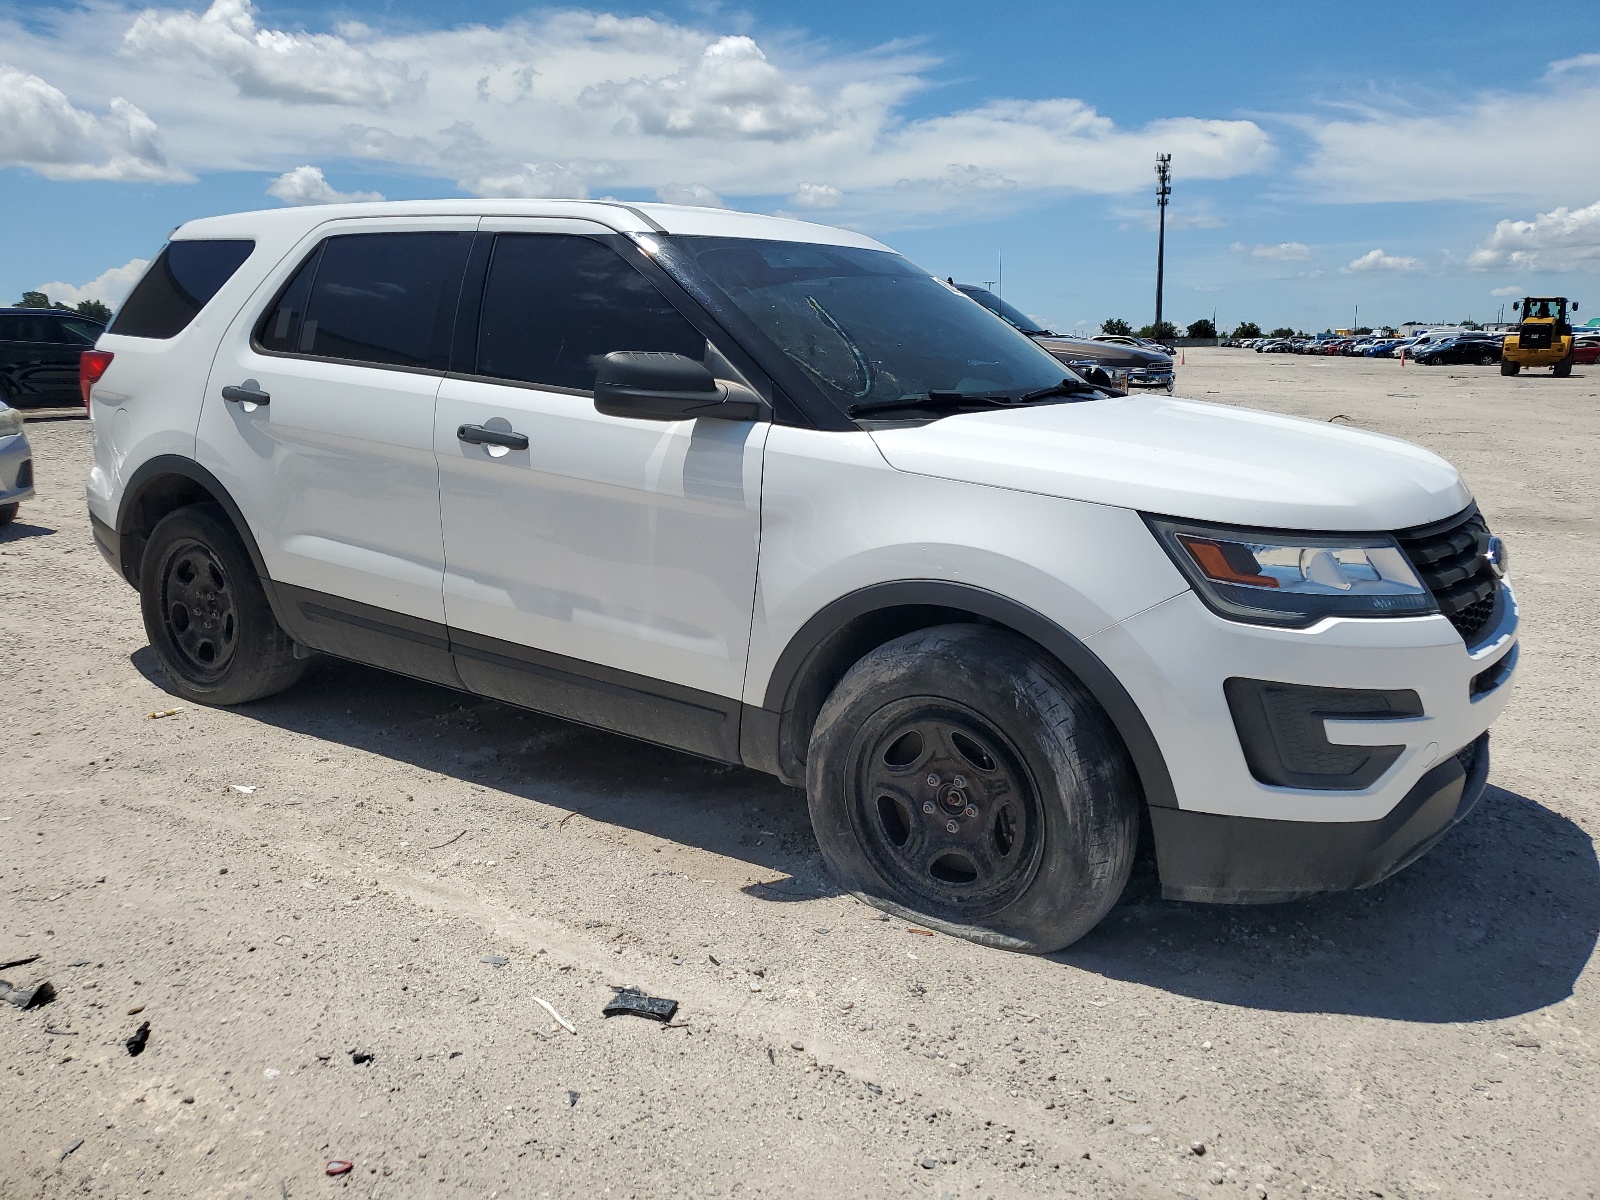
(1563, 368)
(206, 614)
(959, 778)
(8, 513)
(1509, 368)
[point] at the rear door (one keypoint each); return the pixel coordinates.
(606, 571)
(334, 470)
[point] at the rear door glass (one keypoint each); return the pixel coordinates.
(382, 298)
(554, 305)
(181, 281)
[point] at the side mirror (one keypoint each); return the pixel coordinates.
(1516, 306)
(650, 385)
(1574, 306)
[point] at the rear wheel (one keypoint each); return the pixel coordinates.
(1563, 368)
(958, 778)
(8, 513)
(1509, 368)
(206, 614)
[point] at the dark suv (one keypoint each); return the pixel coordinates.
(39, 349)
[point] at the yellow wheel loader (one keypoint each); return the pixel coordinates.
(1542, 339)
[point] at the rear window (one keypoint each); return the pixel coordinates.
(382, 298)
(178, 285)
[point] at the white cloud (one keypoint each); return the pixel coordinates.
(1282, 252)
(1506, 291)
(1148, 218)
(1377, 260)
(816, 195)
(296, 68)
(1493, 146)
(308, 185)
(698, 195)
(541, 181)
(536, 104)
(732, 90)
(1579, 62)
(42, 130)
(110, 287)
(1564, 239)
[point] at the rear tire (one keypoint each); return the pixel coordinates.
(1563, 368)
(1509, 368)
(206, 614)
(960, 779)
(8, 513)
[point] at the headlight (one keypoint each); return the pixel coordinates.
(10, 421)
(1294, 579)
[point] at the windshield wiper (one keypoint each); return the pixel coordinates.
(952, 400)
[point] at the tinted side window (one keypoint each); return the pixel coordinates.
(181, 281)
(30, 327)
(384, 298)
(555, 304)
(73, 332)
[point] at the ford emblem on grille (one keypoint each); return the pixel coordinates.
(1497, 557)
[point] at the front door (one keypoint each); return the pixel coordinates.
(334, 471)
(606, 570)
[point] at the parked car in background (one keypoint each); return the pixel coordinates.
(1586, 350)
(1134, 365)
(16, 463)
(39, 350)
(1459, 351)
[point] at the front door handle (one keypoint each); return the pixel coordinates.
(477, 435)
(248, 392)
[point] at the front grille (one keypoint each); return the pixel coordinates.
(1451, 557)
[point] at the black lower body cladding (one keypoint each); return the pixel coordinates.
(1216, 859)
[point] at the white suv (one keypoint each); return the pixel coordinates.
(764, 491)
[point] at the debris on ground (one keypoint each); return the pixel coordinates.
(362, 1057)
(62, 1157)
(25, 998)
(565, 1024)
(241, 789)
(81, 962)
(139, 1039)
(1198, 1149)
(572, 1099)
(450, 841)
(633, 1002)
(164, 712)
(19, 962)
(136, 1010)
(495, 960)
(338, 1166)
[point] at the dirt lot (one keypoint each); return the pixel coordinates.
(278, 886)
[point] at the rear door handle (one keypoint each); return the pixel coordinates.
(477, 435)
(248, 392)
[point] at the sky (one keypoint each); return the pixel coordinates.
(1359, 164)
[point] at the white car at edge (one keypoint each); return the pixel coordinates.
(764, 491)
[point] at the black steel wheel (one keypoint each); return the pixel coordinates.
(207, 615)
(959, 777)
(197, 610)
(945, 805)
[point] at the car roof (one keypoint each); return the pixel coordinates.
(15, 311)
(621, 216)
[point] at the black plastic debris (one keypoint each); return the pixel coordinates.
(25, 998)
(572, 1099)
(632, 1002)
(19, 962)
(140, 1038)
(361, 1057)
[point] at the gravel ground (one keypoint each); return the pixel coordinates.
(281, 888)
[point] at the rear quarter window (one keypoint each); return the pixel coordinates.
(181, 281)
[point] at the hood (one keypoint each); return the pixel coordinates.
(1184, 458)
(1109, 354)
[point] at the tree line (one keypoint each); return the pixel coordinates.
(93, 309)
(1203, 328)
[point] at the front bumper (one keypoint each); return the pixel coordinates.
(16, 469)
(1243, 860)
(1152, 377)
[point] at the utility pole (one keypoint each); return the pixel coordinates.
(1163, 190)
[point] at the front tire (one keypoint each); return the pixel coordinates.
(1509, 368)
(8, 513)
(206, 614)
(1563, 368)
(959, 778)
